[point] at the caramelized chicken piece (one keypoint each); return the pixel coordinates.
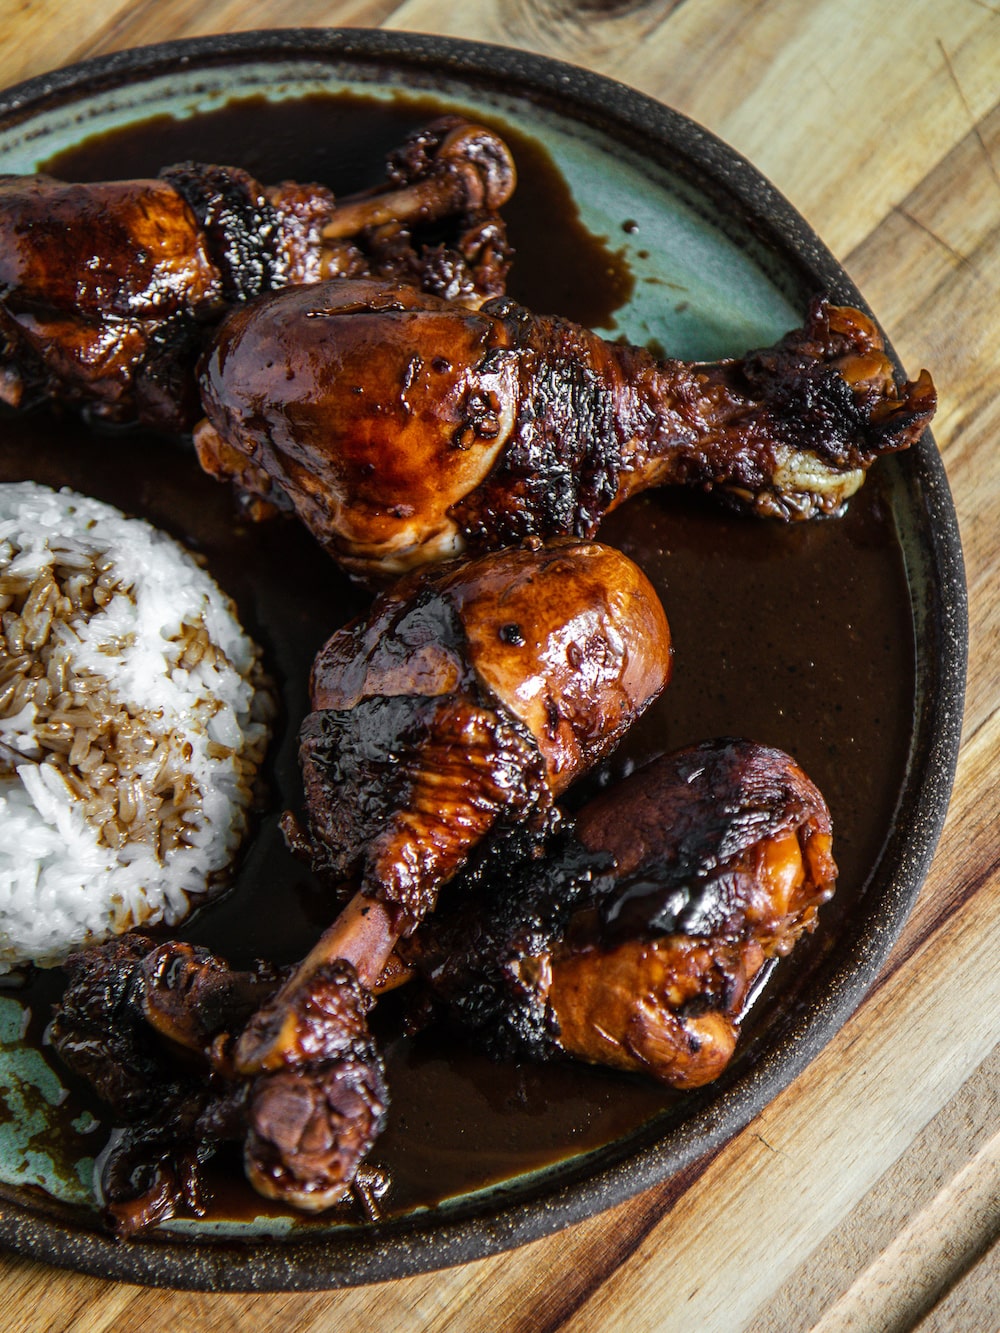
(636, 942)
(138, 1021)
(108, 289)
(464, 703)
(317, 1096)
(404, 430)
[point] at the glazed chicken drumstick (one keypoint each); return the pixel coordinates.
(464, 704)
(107, 290)
(404, 430)
(636, 942)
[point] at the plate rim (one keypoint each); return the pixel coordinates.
(425, 1241)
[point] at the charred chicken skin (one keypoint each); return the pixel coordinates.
(464, 704)
(404, 430)
(636, 941)
(108, 289)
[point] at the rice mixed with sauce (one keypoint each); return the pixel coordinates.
(134, 714)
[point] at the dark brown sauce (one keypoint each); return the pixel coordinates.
(798, 636)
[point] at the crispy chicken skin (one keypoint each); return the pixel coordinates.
(635, 943)
(108, 289)
(404, 430)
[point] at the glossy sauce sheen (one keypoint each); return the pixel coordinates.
(797, 636)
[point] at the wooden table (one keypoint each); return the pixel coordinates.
(867, 1196)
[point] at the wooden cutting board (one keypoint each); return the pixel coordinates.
(866, 1196)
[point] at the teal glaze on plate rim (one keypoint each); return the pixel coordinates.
(750, 261)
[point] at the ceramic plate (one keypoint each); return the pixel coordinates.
(842, 641)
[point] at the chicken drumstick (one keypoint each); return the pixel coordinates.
(635, 943)
(404, 430)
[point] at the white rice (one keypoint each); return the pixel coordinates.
(133, 717)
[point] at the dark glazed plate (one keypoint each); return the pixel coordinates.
(843, 642)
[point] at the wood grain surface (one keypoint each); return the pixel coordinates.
(867, 1196)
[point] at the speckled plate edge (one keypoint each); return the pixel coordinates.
(932, 549)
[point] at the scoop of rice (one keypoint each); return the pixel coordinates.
(133, 716)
